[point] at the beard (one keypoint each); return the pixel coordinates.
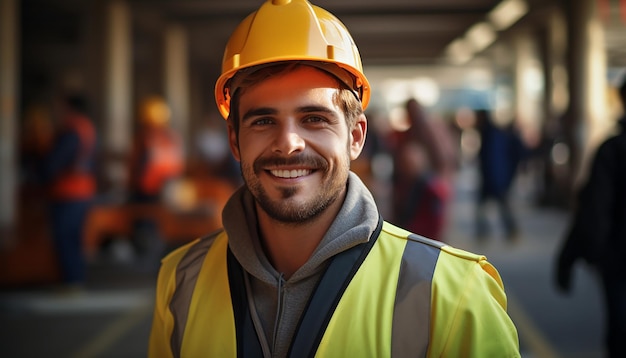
(288, 208)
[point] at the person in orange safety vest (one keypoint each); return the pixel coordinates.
(156, 160)
(68, 171)
(157, 153)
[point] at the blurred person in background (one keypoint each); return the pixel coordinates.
(501, 151)
(156, 160)
(424, 163)
(68, 172)
(157, 156)
(597, 234)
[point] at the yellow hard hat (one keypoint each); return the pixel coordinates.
(290, 30)
(154, 111)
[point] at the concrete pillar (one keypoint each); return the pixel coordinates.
(119, 77)
(118, 89)
(553, 47)
(586, 59)
(177, 79)
(9, 70)
(529, 84)
(95, 54)
(553, 42)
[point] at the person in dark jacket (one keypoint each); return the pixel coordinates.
(501, 151)
(597, 234)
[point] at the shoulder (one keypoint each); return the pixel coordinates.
(182, 266)
(453, 265)
(455, 253)
(465, 289)
(192, 252)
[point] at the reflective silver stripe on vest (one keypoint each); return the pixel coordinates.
(187, 273)
(411, 316)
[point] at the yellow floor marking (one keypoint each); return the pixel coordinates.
(113, 333)
(533, 339)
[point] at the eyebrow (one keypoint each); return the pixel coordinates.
(264, 111)
(256, 112)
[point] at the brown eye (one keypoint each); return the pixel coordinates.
(315, 119)
(261, 121)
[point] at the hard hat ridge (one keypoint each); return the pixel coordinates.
(290, 30)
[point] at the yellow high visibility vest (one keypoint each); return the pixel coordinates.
(398, 295)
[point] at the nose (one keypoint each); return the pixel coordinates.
(288, 140)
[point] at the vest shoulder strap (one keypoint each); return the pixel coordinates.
(248, 343)
(327, 295)
(385, 311)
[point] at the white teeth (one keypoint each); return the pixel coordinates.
(290, 173)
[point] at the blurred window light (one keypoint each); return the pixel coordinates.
(507, 13)
(532, 78)
(425, 90)
(479, 79)
(398, 91)
(459, 51)
(480, 36)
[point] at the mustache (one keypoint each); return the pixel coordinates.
(305, 160)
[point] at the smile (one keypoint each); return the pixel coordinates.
(289, 174)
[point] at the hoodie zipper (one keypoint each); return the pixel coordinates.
(255, 319)
(279, 310)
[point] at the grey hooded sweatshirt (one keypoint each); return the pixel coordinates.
(276, 304)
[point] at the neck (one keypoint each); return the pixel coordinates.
(288, 245)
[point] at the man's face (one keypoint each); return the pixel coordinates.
(294, 145)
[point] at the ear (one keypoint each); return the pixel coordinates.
(233, 142)
(357, 136)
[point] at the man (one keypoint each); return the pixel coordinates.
(68, 170)
(157, 156)
(598, 233)
(423, 169)
(305, 266)
(501, 151)
(156, 160)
